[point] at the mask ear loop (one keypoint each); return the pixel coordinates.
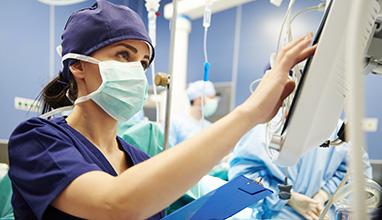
(80, 57)
(59, 110)
(56, 111)
(68, 56)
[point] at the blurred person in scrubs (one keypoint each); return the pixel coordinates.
(186, 124)
(314, 178)
(142, 133)
(6, 212)
(77, 167)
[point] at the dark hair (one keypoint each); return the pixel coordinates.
(58, 94)
(192, 102)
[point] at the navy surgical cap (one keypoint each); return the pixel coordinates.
(90, 29)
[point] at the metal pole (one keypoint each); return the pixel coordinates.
(171, 69)
(355, 106)
(235, 56)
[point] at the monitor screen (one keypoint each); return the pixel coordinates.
(306, 68)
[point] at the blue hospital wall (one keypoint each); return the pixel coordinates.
(374, 109)
(24, 51)
(24, 54)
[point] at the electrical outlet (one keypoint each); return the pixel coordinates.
(25, 104)
(370, 124)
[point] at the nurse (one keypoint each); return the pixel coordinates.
(187, 124)
(77, 167)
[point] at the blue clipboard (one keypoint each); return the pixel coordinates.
(223, 202)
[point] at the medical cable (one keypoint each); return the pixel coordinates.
(274, 128)
(285, 20)
(289, 20)
(206, 66)
(269, 130)
(320, 7)
(333, 197)
(334, 143)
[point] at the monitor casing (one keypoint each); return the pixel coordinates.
(320, 95)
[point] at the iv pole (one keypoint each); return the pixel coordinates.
(355, 106)
(171, 72)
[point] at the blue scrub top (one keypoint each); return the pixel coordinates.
(45, 157)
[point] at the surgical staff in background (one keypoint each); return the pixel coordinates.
(186, 124)
(314, 178)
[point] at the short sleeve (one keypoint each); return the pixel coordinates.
(43, 161)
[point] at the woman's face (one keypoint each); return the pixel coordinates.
(122, 51)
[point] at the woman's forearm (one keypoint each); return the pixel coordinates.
(162, 179)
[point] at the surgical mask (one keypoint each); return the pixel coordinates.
(210, 107)
(123, 89)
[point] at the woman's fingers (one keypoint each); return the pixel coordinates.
(296, 53)
(295, 42)
(275, 85)
(307, 52)
(299, 49)
(281, 53)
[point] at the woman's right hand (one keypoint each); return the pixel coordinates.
(275, 86)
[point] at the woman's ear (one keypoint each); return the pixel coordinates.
(77, 70)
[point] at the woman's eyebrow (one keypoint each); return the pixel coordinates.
(133, 49)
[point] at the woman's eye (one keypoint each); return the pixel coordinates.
(123, 55)
(144, 64)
